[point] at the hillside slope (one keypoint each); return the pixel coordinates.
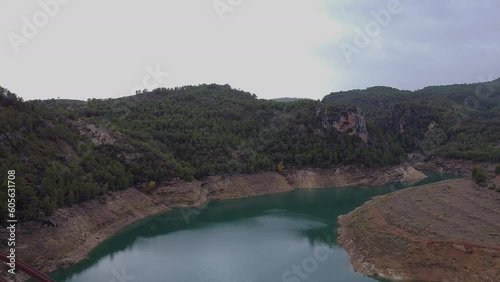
(455, 121)
(67, 152)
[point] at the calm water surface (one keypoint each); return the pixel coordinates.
(281, 237)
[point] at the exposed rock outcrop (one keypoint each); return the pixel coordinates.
(66, 262)
(352, 121)
(452, 166)
(99, 136)
(352, 175)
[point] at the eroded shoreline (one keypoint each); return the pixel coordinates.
(82, 227)
(445, 231)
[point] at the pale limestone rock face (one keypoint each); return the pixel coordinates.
(99, 136)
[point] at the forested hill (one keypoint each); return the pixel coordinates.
(66, 151)
(286, 99)
(456, 121)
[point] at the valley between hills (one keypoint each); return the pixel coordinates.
(87, 169)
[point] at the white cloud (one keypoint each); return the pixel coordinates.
(271, 48)
(101, 48)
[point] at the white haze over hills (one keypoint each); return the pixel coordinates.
(281, 48)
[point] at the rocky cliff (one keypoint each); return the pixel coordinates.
(351, 121)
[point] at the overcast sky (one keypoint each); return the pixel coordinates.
(274, 48)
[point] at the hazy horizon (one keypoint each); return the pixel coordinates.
(87, 49)
(272, 98)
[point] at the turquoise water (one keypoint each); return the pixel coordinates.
(287, 237)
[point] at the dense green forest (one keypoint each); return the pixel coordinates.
(67, 152)
(189, 132)
(456, 121)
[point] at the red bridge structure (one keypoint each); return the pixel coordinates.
(26, 269)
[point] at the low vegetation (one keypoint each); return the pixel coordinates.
(479, 176)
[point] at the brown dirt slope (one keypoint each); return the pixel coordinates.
(195, 193)
(82, 227)
(352, 175)
(447, 231)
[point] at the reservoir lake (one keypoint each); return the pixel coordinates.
(285, 237)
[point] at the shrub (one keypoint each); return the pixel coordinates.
(151, 186)
(479, 175)
(497, 170)
(280, 167)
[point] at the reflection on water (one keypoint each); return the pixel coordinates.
(281, 237)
